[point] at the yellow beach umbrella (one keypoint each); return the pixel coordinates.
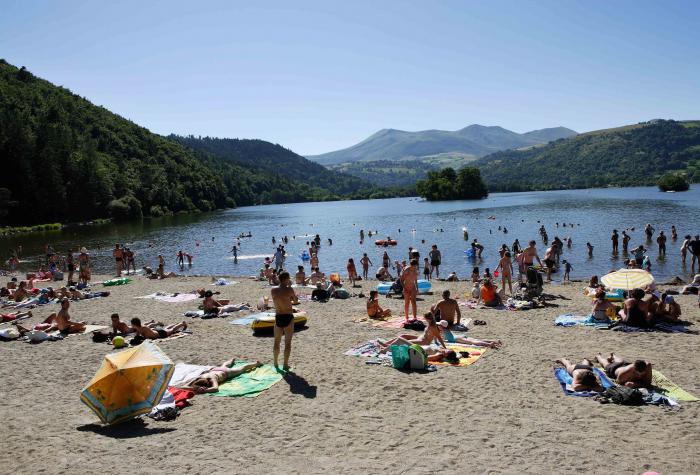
(129, 383)
(628, 279)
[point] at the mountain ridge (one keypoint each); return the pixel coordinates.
(475, 139)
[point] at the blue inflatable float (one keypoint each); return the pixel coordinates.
(470, 252)
(424, 287)
(305, 256)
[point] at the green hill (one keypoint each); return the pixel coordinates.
(66, 159)
(474, 140)
(273, 158)
(632, 155)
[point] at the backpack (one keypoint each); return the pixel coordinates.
(100, 336)
(342, 293)
(623, 395)
(416, 325)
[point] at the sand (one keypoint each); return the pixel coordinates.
(505, 413)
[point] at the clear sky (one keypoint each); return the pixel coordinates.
(316, 76)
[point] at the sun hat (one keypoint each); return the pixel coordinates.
(83, 250)
(444, 323)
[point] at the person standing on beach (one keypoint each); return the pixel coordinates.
(84, 261)
(694, 247)
(625, 241)
(684, 248)
(282, 297)
(118, 254)
(615, 241)
(70, 265)
(435, 260)
(649, 231)
(366, 262)
(409, 282)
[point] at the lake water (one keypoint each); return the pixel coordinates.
(209, 237)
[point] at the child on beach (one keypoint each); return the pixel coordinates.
(352, 272)
(366, 262)
(567, 270)
(426, 269)
(374, 310)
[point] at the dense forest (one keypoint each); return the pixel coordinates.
(388, 173)
(67, 160)
(628, 156)
(447, 184)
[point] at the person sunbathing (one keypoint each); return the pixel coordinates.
(666, 309)
(444, 356)
(584, 378)
(374, 310)
(632, 375)
(21, 293)
(14, 316)
(383, 275)
(209, 382)
(636, 311)
(211, 305)
(119, 327)
(300, 276)
(447, 309)
(601, 307)
(317, 276)
(693, 287)
(62, 320)
(155, 334)
(430, 334)
(449, 337)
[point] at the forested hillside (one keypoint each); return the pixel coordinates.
(627, 156)
(273, 158)
(65, 159)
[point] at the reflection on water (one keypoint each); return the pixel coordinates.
(209, 237)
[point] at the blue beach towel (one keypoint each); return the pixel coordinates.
(243, 320)
(565, 381)
(571, 320)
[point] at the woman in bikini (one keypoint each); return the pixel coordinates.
(209, 382)
(449, 337)
(430, 334)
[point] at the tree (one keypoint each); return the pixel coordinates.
(447, 184)
(673, 182)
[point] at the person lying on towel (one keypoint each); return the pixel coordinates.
(584, 377)
(632, 375)
(209, 381)
(157, 332)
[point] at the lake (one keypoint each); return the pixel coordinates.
(209, 237)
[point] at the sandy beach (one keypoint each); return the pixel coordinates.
(506, 413)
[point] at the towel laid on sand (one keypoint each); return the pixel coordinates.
(565, 380)
(249, 384)
(184, 374)
(224, 282)
(171, 298)
(369, 349)
(659, 327)
(393, 322)
(88, 329)
(669, 389)
(570, 320)
(243, 321)
(474, 354)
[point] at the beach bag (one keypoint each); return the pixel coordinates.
(417, 357)
(623, 395)
(58, 276)
(342, 293)
(100, 336)
(416, 325)
(400, 358)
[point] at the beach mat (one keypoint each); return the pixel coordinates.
(369, 349)
(243, 321)
(249, 384)
(88, 329)
(474, 354)
(659, 327)
(170, 297)
(669, 389)
(393, 322)
(565, 380)
(570, 320)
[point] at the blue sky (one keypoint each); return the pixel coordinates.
(316, 76)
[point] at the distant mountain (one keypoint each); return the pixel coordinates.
(474, 140)
(633, 155)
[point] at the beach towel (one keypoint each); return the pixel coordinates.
(393, 322)
(570, 320)
(184, 374)
(243, 321)
(171, 298)
(662, 385)
(249, 384)
(565, 380)
(224, 282)
(659, 327)
(369, 349)
(474, 354)
(88, 329)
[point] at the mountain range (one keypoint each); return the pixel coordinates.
(470, 142)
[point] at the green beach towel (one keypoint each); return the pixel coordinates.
(670, 389)
(249, 384)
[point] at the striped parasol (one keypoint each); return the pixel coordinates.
(628, 279)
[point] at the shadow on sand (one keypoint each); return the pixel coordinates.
(299, 385)
(126, 430)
